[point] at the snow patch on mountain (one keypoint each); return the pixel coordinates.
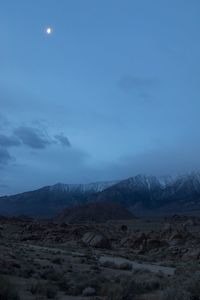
(138, 181)
(89, 187)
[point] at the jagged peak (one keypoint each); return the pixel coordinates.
(140, 180)
(94, 186)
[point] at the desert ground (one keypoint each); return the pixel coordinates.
(141, 259)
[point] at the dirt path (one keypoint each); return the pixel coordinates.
(118, 261)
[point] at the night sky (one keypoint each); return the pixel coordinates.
(113, 91)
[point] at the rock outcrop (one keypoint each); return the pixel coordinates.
(96, 240)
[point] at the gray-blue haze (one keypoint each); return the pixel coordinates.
(113, 92)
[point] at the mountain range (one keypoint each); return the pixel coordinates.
(138, 194)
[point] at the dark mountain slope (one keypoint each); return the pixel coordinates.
(138, 190)
(143, 193)
(49, 201)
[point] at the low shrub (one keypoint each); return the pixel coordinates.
(175, 294)
(44, 289)
(7, 290)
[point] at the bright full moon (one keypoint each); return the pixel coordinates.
(49, 30)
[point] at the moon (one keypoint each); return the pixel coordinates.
(49, 30)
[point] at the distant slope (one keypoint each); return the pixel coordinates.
(142, 193)
(94, 212)
(136, 192)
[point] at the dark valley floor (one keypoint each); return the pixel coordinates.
(143, 259)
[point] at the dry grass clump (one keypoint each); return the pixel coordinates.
(45, 289)
(193, 286)
(129, 286)
(186, 286)
(57, 260)
(79, 281)
(7, 290)
(51, 274)
(113, 265)
(175, 294)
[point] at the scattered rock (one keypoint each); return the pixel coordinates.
(89, 291)
(96, 240)
(124, 228)
(155, 243)
(192, 255)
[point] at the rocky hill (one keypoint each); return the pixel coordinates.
(97, 212)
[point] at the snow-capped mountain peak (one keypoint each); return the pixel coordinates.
(88, 187)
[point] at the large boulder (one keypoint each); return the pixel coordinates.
(89, 291)
(96, 240)
(140, 242)
(155, 244)
(192, 254)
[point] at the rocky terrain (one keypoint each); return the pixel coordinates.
(142, 259)
(142, 195)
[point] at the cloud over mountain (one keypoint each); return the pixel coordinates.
(5, 157)
(8, 141)
(129, 82)
(32, 137)
(63, 140)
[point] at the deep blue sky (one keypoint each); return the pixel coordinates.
(112, 93)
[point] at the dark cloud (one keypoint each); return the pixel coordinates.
(127, 83)
(5, 156)
(55, 164)
(32, 137)
(64, 141)
(3, 122)
(2, 185)
(6, 141)
(160, 161)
